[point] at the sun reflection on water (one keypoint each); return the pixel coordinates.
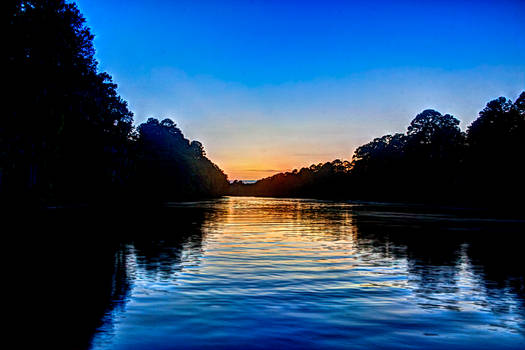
(263, 273)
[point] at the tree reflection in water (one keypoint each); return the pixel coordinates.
(441, 249)
(91, 264)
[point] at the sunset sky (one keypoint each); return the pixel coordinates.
(268, 86)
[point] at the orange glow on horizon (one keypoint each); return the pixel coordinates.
(264, 166)
(246, 154)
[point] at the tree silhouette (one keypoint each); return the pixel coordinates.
(496, 145)
(169, 166)
(434, 149)
(434, 161)
(65, 130)
(67, 136)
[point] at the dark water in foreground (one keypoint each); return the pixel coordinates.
(260, 273)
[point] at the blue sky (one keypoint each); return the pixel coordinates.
(268, 86)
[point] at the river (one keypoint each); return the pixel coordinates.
(266, 273)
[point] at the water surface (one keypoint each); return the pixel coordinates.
(262, 273)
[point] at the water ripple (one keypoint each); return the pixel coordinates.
(264, 273)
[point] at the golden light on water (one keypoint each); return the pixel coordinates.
(333, 270)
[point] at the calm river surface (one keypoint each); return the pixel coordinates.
(264, 273)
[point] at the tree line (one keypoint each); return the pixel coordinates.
(66, 136)
(433, 161)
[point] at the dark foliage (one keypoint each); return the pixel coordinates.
(65, 133)
(170, 166)
(419, 165)
(319, 181)
(434, 161)
(495, 156)
(67, 136)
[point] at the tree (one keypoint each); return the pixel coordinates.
(171, 167)
(432, 135)
(67, 136)
(197, 149)
(386, 149)
(65, 130)
(432, 162)
(496, 149)
(434, 151)
(500, 129)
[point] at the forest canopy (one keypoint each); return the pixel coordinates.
(433, 161)
(67, 136)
